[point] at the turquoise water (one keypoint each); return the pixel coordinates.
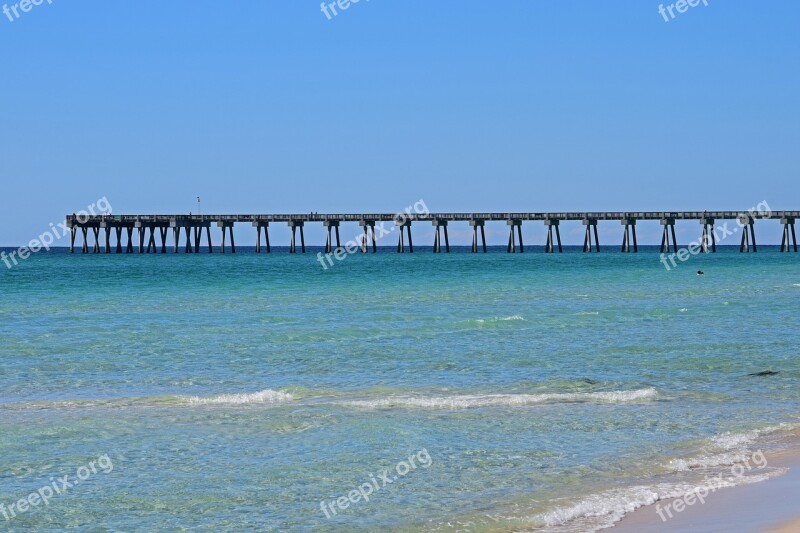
(237, 392)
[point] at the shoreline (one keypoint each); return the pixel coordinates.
(790, 527)
(768, 506)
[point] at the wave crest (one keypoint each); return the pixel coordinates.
(467, 401)
(266, 396)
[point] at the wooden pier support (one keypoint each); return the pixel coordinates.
(118, 231)
(478, 223)
(590, 224)
(708, 231)
(227, 227)
(789, 235)
(198, 237)
(151, 242)
(369, 228)
(404, 223)
(106, 237)
(437, 240)
(513, 224)
(552, 223)
(294, 224)
(129, 247)
(188, 249)
(629, 235)
(746, 221)
(141, 237)
(330, 225)
(669, 228)
(262, 225)
(96, 233)
(85, 246)
(176, 237)
(163, 230)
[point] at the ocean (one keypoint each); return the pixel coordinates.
(416, 392)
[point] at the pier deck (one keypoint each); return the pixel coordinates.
(194, 226)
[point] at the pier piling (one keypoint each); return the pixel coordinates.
(514, 224)
(96, 247)
(591, 224)
(188, 248)
(176, 237)
(629, 235)
(227, 227)
(708, 231)
(369, 228)
(669, 229)
(553, 223)
(441, 225)
(141, 237)
(478, 223)
(329, 226)
(404, 223)
(118, 231)
(262, 224)
(84, 247)
(789, 236)
(294, 224)
(745, 222)
(163, 230)
(198, 237)
(151, 242)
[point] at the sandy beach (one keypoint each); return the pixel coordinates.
(790, 527)
(767, 507)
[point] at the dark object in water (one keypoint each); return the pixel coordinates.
(701, 273)
(764, 373)
(589, 381)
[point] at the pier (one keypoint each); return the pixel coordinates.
(193, 228)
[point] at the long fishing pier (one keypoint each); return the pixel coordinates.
(193, 228)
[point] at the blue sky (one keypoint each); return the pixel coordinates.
(269, 106)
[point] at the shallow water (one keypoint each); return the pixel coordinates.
(237, 392)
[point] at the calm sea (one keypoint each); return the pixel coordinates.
(256, 392)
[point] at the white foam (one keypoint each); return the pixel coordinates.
(727, 449)
(708, 461)
(602, 510)
(266, 396)
(500, 319)
(728, 441)
(466, 401)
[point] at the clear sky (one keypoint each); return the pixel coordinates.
(523, 105)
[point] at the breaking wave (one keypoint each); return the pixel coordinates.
(467, 401)
(267, 396)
